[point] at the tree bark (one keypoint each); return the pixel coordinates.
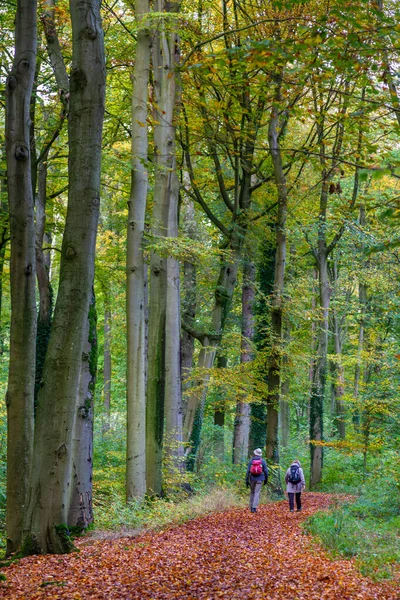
(219, 414)
(135, 267)
(320, 365)
(242, 418)
(21, 375)
(173, 381)
(165, 60)
(49, 494)
(81, 508)
(275, 361)
(43, 277)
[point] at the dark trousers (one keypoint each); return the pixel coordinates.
(291, 500)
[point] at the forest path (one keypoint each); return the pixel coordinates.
(232, 555)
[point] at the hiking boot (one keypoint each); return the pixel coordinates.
(253, 510)
(299, 509)
(291, 510)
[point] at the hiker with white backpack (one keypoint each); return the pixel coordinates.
(295, 483)
(256, 476)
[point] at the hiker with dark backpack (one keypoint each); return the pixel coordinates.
(295, 483)
(256, 476)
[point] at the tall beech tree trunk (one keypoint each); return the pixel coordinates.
(107, 369)
(242, 418)
(21, 375)
(49, 494)
(165, 60)
(219, 413)
(135, 267)
(43, 276)
(320, 361)
(275, 361)
(173, 382)
(81, 508)
(265, 277)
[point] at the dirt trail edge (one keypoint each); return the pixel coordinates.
(232, 555)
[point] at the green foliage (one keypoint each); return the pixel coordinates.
(366, 529)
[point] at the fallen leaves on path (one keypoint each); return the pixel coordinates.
(232, 555)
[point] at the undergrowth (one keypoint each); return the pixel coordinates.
(116, 515)
(366, 530)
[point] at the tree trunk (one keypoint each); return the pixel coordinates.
(219, 414)
(47, 514)
(173, 381)
(266, 274)
(242, 418)
(81, 508)
(319, 373)
(21, 375)
(107, 367)
(165, 48)
(274, 368)
(135, 271)
(43, 278)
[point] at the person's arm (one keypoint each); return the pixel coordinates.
(248, 475)
(265, 469)
(287, 476)
(303, 481)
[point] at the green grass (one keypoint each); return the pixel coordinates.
(367, 530)
(115, 515)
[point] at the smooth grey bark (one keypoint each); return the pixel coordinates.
(107, 368)
(135, 266)
(275, 359)
(50, 484)
(165, 60)
(80, 513)
(21, 374)
(174, 450)
(242, 417)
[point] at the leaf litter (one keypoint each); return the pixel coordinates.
(234, 555)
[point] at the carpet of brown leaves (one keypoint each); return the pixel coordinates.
(232, 555)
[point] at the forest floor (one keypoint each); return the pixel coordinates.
(232, 555)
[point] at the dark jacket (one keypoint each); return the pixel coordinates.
(262, 477)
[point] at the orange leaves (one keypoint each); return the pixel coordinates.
(234, 555)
